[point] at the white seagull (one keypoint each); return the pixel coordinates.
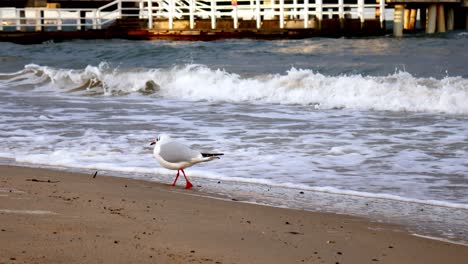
(176, 156)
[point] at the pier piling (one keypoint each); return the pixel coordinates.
(441, 19)
(398, 20)
(450, 19)
(431, 19)
(412, 19)
(407, 19)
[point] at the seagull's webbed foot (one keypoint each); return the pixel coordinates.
(189, 185)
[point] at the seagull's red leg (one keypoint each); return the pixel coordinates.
(189, 184)
(177, 177)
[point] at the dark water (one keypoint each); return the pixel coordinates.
(437, 57)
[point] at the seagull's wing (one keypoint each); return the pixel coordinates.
(177, 152)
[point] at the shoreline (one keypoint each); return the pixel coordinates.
(50, 216)
(429, 220)
(298, 188)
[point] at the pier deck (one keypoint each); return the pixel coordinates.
(220, 19)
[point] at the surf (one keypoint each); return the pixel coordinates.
(400, 91)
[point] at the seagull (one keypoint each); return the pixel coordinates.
(177, 156)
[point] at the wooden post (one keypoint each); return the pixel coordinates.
(407, 19)
(319, 13)
(213, 14)
(272, 7)
(78, 21)
(340, 9)
(150, 14)
(59, 20)
(341, 13)
(281, 20)
(382, 13)
(431, 19)
(96, 20)
(236, 16)
(257, 13)
(191, 15)
(440, 19)
(171, 14)
(294, 13)
(306, 13)
(119, 9)
(412, 19)
(450, 18)
(398, 20)
(38, 20)
(1, 20)
(361, 11)
(141, 7)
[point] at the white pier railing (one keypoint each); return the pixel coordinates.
(27, 19)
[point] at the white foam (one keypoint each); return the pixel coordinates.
(440, 239)
(339, 151)
(325, 189)
(397, 92)
(33, 212)
(328, 189)
(388, 197)
(55, 161)
(248, 165)
(10, 190)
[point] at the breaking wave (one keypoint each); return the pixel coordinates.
(400, 91)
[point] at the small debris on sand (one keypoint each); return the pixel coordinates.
(47, 181)
(295, 233)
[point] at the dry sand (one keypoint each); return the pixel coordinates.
(77, 219)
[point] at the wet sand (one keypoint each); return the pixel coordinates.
(49, 216)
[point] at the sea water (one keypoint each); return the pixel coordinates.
(373, 127)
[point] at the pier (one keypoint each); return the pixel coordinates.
(434, 16)
(29, 21)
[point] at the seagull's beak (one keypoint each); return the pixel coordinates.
(152, 143)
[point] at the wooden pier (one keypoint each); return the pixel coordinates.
(33, 21)
(435, 16)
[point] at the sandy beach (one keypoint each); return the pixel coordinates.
(49, 216)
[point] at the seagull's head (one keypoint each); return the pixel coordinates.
(161, 138)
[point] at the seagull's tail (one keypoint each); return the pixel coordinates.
(212, 155)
